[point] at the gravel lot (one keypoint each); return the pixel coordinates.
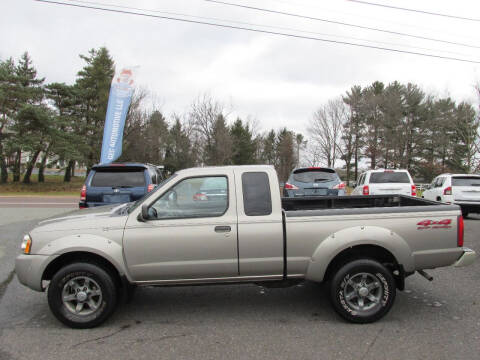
(437, 320)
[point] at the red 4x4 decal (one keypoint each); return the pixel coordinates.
(432, 224)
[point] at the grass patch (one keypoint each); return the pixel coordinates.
(53, 185)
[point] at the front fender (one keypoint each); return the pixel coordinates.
(354, 236)
(101, 246)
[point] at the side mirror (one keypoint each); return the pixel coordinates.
(354, 184)
(143, 216)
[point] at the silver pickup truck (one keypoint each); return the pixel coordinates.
(230, 225)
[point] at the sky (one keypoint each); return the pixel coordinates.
(274, 80)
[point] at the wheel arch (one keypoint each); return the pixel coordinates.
(82, 256)
(371, 242)
(367, 251)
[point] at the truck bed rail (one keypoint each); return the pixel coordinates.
(353, 202)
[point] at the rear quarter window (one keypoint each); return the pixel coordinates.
(118, 178)
(389, 177)
(466, 181)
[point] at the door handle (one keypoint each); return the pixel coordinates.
(222, 229)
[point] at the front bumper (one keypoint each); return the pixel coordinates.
(30, 268)
(467, 258)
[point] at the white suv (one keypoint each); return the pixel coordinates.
(384, 181)
(460, 189)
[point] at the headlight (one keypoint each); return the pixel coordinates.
(26, 244)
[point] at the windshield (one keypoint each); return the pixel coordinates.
(389, 177)
(132, 206)
(466, 181)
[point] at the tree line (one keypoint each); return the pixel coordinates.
(396, 126)
(390, 126)
(63, 123)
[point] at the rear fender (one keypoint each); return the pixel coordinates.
(354, 236)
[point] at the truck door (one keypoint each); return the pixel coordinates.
(260, 227)
(191, 231)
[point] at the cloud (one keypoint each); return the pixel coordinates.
(279, 81)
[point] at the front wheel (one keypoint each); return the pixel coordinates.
(464, 213)
(82, 295)
(362, 291)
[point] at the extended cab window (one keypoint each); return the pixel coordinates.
(193, 198)
(257, 200)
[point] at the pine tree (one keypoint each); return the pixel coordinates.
(354, 128)
(285, 153)
(28, 91)
(219, 150)
(155, 139)
(269, 145)
(34, 124)
(179, 154)
(8, 108)
(93, 84)
(67, 142)
(243, 145)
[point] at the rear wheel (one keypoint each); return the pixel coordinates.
(82, 295)
(464, 212)
(362, 291)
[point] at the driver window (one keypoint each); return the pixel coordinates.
(193, 198)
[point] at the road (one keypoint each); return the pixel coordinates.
(430, 320)
(60, 202)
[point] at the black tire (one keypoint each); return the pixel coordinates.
(344, 284)
(464, 213)
(73, 274)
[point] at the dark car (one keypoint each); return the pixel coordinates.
(212, 189)
(118, 183)
(313, 181)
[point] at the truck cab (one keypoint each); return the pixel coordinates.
(241, 203)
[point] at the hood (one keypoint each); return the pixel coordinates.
(90, 218)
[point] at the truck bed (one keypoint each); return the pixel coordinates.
(354, 202)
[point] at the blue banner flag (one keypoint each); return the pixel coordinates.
(118, 102)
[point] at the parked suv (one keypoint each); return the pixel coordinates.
(385, 181)
(118, 183)
(313, 181)
(460, 189)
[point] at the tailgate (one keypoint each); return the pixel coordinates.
(391, 188)
(466, 188)
(466, 193)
